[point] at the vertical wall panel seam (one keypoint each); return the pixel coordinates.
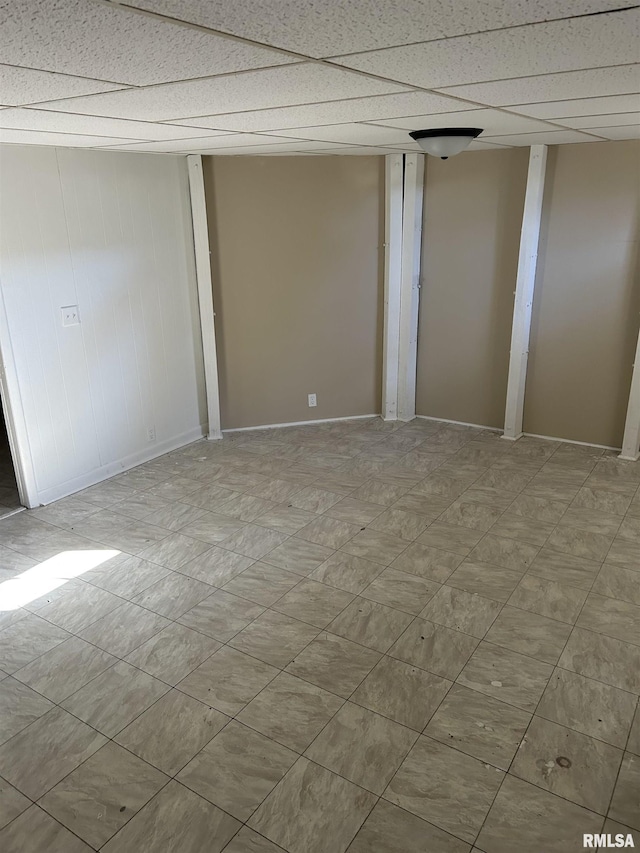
(119, 220)
(156, 279)
(26, 363)
(49, 300)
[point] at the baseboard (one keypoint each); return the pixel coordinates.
(97, 475)
(458, 423)
(528, 434)
(300, 423)
(571, 441)
(11, 512)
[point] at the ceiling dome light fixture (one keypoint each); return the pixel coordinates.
(446, 141)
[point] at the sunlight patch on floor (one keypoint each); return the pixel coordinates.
(49, 575)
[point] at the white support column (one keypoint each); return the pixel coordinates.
(410, 284)
(394, 176)
(525, 283)
(631, 440)
(205, 292)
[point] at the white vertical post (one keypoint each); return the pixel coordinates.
(410, 284)
(631, 439)
(525, 283)
(205, 292)
(394, 176)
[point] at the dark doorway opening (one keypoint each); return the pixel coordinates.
(9, 498)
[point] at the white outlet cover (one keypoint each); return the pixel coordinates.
(313, 401)
(70, 315)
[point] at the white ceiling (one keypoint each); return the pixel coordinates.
(315, 76)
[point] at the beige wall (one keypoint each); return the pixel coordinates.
(296, 261)
(472, 217)
(587, 298)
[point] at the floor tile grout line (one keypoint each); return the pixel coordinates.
(302, 754)
(268, 608)
(111, 739)
(580, 731)
(387, 567)
(83, 762)
(100, 508)
(35, 803)
(76, 634)
(624, 752)
(466, 754)
(522, 740)
(117, 657)
(135, 491)
(569, 728)
(172, 620)
(575, 623)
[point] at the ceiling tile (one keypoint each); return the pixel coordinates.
(624, 132)
(359, 150)
(358, 134)
(329, 27)
(62, 140)
(56, 122)
(582, 106)
(537, 49)
(232, 140)
(20, 86)
(332, 112)
(614, 120)
(481, 145)
(114, 43)
(277, 154)
(591, 83)
(552, 137)
(274, 87)
(493, 122)
(241, 144)
(292, 147)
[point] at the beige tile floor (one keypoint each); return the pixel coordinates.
(356, 636)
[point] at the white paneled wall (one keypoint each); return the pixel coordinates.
(110, 233)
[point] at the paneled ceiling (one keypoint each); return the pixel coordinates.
(315, 76)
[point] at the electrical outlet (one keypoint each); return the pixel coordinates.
(151, 434)
(70, 315)
(313, 401)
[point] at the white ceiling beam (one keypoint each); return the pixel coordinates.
(205, 292)
(631, 439)
(525, 284)
(410, 284)
(393, 195)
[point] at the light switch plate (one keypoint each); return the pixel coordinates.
(70, 315)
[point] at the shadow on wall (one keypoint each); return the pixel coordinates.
(472, 220)
(510, 207)
(587, 296)
(216, 275)
(297, 274)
